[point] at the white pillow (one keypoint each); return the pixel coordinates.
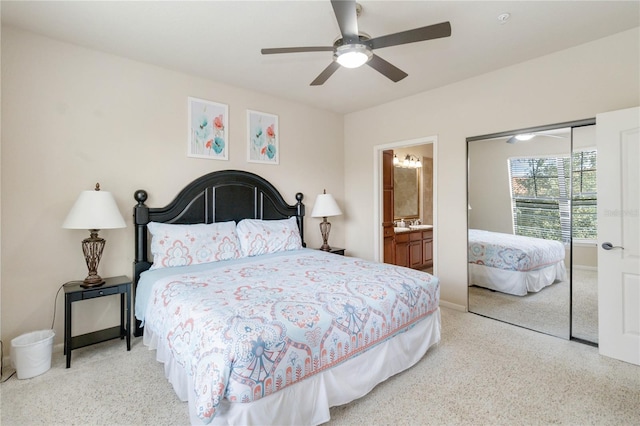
(268, 236)
(182, 245)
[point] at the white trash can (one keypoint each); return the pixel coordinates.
(31, 353)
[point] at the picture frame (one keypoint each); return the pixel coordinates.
(263, 138)
(208, 129)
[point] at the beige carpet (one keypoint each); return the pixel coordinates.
(483, 372)
(546, 311)
(585, 304)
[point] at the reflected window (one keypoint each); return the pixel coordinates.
(540, 189)
(585, 205)
(540, 197)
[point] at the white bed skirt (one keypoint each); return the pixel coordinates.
(516, 282)
(308, 402)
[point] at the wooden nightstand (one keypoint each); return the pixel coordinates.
(75, 292)
(337, 250)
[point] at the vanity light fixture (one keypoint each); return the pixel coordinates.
(411, 161)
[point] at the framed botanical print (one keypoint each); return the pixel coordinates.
(208, 129)
(263, 138)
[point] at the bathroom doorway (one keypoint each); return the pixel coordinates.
(424, 150)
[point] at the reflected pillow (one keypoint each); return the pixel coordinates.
(182, 245)
(268, 236)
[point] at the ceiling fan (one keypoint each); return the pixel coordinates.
(354, 49)
(523, 137)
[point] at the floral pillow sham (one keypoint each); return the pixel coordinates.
(183, 245)
(268, 236)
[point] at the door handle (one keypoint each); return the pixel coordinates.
(609, 246)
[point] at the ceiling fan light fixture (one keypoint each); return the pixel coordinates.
(353, 48)
(525, 136)
(353, 55)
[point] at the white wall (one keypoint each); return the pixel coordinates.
(73, 117)
(569, 85)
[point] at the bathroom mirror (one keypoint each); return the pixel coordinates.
(524, 189)
(406, 193)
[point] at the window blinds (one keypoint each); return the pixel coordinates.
(541, 202)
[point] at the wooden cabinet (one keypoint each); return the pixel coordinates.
(427, 248)
(387, 203)
(402, 249)
(414, 249)
(389, 247)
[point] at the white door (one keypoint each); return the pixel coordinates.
(618, 179)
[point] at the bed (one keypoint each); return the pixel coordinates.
(514, 264)
(256, 328)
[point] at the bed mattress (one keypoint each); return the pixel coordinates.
(241, 332)
(512, 252)
(514, 264)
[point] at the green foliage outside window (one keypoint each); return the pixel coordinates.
(585, 202)
(541, 188)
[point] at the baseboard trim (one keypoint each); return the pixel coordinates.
(585, 267)
(455, 306)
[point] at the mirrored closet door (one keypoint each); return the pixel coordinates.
(531, 218)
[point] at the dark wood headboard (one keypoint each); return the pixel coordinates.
(215, 197)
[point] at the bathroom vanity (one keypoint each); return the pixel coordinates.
(407, 193)
(414, 246)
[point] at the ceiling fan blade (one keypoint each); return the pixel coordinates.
(345, 11)
(430, 32)
(512, 139)
(271, 51)
(390, 71)
(324, 75)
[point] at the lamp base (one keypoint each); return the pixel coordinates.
(325, 228)
(92, 281)
(92, 248)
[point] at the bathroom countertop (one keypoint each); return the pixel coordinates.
(401, 229)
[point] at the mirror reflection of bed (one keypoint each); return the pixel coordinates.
(532, 252)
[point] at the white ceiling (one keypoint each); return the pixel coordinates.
(221, 40)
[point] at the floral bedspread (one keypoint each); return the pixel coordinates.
(512, 252)
(243, 331)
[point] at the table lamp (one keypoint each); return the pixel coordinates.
(324, 207)
(94, 210)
